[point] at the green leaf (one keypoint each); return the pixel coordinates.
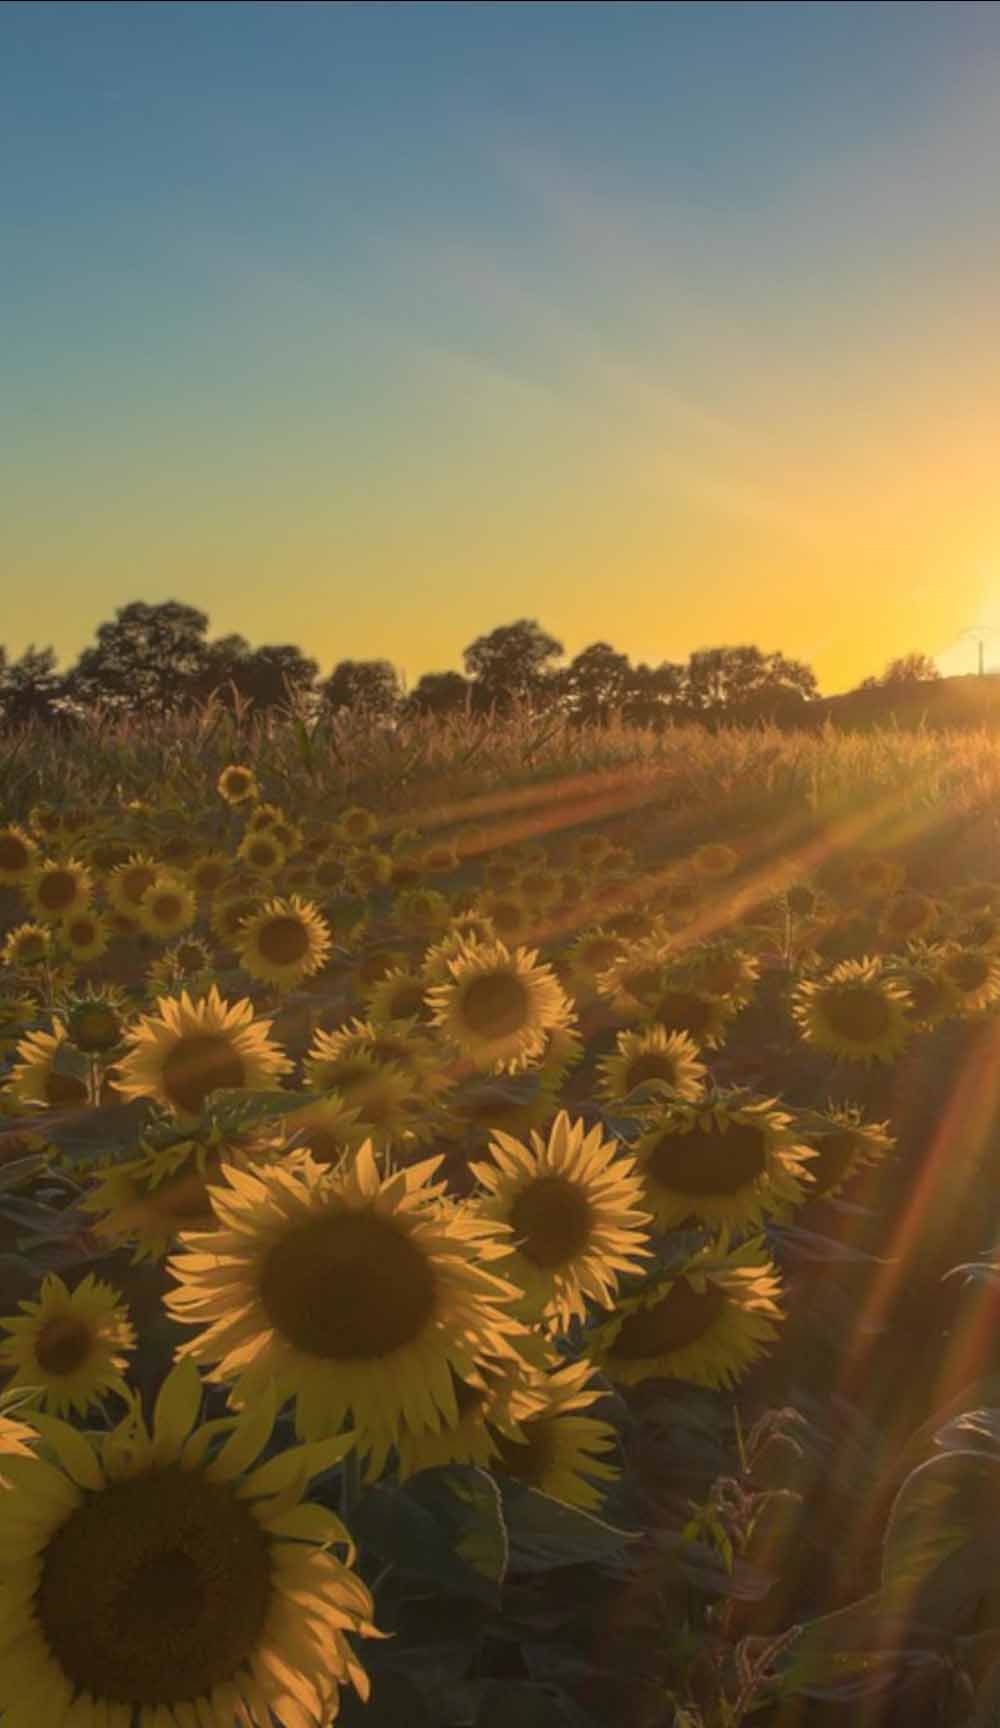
(544, 1532)
(855, 1652)
(445, 1524)
(941, 1548)
(109, 1133)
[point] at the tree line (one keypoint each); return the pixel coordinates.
(159, 660)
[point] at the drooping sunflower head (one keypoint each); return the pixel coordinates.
(651, 1063)
(552, 1447)
(974, 975)
(189, 1049)
(499, 1006)
(359, 1293)
(858, 1012)
(636, 976)
(35, 1077)
(705, 1322)
(731, 1160)
(844, 1144)
(571, 1203)
(680, 1007)
(722, 968)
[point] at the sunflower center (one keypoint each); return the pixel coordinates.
(680, 1318)
(31, 947)
(683, 1011)
(283, 940)
(348, 1287)
(166, 907)
(324, 1145)
(408, 1002)
(196, 1065)
(968, 971)
(526, 1459)
(907, 913)
(927, 994)
(495, 1005)
(155, 1590)
(95, 1028)
(836, 1153)
(722, 976)
(208, 875)
(62, 1344)
(642, 981)
(136, 881)
(856, 1011)
(716, 1162)
(189, 957)
(554, 1218)
(650, 1065)
(599, 955)
(14, 854)
(57, 888)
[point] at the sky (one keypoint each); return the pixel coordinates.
(372, 327)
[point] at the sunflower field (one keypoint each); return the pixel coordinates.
(497, 1221)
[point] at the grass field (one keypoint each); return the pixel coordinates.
(497, 1218)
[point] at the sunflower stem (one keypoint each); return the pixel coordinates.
(350, 1487)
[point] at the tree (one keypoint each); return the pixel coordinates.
(32, 689)
(510, 662)
(719, 678)
(262, 676)
(907, 669)
(439, 693)
(595, 683)
(371, 686)
(149, 658)
(653, 694)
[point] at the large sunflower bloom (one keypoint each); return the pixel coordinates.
(191, 1048)
(285, 941)
(557, 1450)
(34, 1079)
(71, 1344)
(704, 1322)
(857, 1012)
(500, 1006)
(18, 855)
(732, 1160)
(146, 1583)
(652, 1058)
(572, 1204)
(359, 1293)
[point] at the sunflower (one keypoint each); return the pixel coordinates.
(465, 927)
(391, 1102)
(704, 1322)
(871, 877)
(285, 941)
(730, 1160)
(35, 1079)
(327, 1128)
(589, 849)
(439, 859)
(722, 969)
(857, 1011)
(635, 978)
(652, 1059)
(572, 1205)
(679, 1007)
(971, 897)
(400, 995)
(357, 824)
(86, 935)
(977, 930)
(191, 957)
(933, 998)
(72, 1344)
(262, 816)
(908, 914)
(564, 1049)
(237, 785)
(127, 883)
(714, 861)
(167, 906)
(56, 888)
(27, 945)
(974, 977)
(207, 873)
(368, 870)
(228, 915)
(18, 1011)
(376, 963)
(95, 1020)
(404, 873)
(556, 1450)
(499, 1006)
(190, 1048)
(288, 835)
(153, 1577)
(359, 1293)
(18, 855)
(485, 1401)
(540, 887)
(514, 1105)
(506, 912)
(844, 1144)
(261, 852)
(421, 912)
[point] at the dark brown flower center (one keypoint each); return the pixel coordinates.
(928, 994)
(57, 888)
(196, 1065)
(858, 1012)
(14, 854)
(166, 908)
(714, 1162)
(678, 1319)
(837, 1151)
(208, 875)
(155, 1590)
(283, 940)
(62, 1344)
(968, 971)
(495, 1005)
(348, 1287)
(554, 1218)
(684, 1011)
(650, 1065)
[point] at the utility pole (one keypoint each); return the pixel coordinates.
(980, 632)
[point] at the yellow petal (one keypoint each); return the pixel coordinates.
(176, 1409)
(75, 1454)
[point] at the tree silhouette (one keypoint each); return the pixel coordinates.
(31, 689)
(510, 662)
(439, 693)
(654, 695)
(262, 676)
(150, 658)
(372, 686)
(595, 683)
(718, 678)
(907, 669)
